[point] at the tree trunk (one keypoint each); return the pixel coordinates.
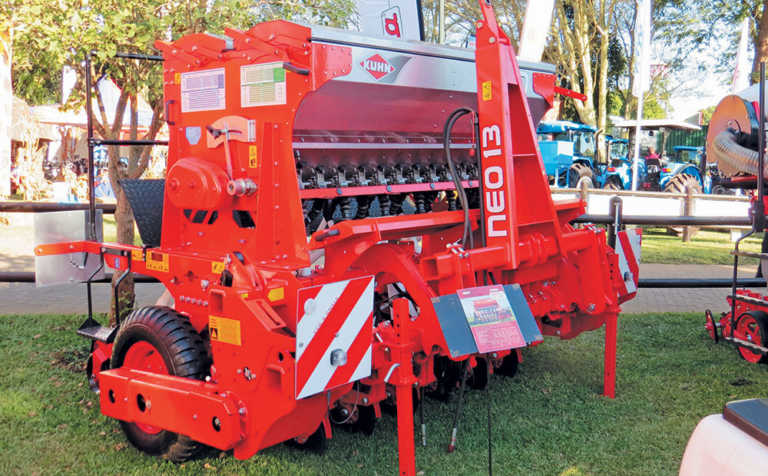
(602, 83)
(124, 221)
(761, 47)
(631, 65)
(6, 113)
(123, 213)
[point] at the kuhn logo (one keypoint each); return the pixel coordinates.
(377, 66)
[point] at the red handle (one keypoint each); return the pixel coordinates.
(570, 93)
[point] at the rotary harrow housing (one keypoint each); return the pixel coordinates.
(318, 251)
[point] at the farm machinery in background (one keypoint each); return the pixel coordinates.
(657, 174)
(736, 441)
(294, 307)
(735, 144)
(569, 154)
(618, 173)
(685, 169)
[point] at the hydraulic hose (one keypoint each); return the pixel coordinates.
(727, 150)
(455, 115)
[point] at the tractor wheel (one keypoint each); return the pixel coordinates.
(611, 185)
(158, 339)
(752, 326)
(580, 173)
(720, 190)
(711, 326)
(480, 375)
(679, 184)
(509, 365)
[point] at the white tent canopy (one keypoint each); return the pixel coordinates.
(657, 124)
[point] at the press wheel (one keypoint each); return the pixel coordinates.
(159, 340)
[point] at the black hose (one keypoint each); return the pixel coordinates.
(455, 115)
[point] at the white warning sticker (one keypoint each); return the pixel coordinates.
(262, 85)
(203, 90)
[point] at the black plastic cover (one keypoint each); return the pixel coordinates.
(146, 200)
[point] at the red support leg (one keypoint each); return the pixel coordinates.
(609, 378)
(404, 384)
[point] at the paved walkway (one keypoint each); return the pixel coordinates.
(683, 299)
(25, 298)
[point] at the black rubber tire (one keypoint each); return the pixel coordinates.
(679, 183)
(316, 443)
(579, 172)
(366, 420)
(184, 354)
(480, 375)
(720, 190)
(509, 365)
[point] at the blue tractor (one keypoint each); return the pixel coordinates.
(618, 173)
(684, 170)
(568, 151)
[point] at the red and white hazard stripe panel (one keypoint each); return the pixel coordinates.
(333, 335)
(628, 248)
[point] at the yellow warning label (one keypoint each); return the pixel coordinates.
(177, 78)
(276, 294)
(253, 156)
(137, 255)
(157, 261)
(217, 267)
(487, 90)
(224, 330)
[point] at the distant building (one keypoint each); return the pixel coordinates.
(63, 134)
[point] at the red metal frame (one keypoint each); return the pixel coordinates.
(569, 276)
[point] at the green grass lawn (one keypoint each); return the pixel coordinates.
(110, 231)
(548, 420)
(707, 247)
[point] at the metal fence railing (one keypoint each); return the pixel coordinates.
(615, 220)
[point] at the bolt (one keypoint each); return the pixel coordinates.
(344, 411)
(194, 417)
(591, 307)
(492, 40)
(241, 411)
(365, 401)
(204, 283)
